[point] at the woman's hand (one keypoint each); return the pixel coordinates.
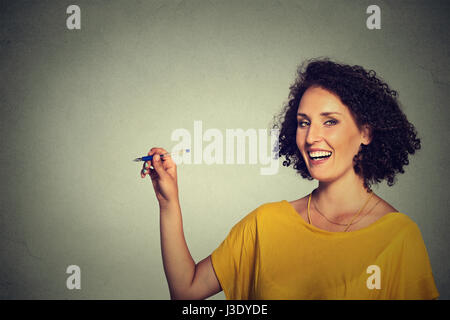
(163, 175)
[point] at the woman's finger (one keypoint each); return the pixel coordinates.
(166, 160)
(157, 164)
(156, 151)
(145, 169)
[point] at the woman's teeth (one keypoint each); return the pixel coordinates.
(319, 154)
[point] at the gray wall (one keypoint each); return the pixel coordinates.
(77, 106)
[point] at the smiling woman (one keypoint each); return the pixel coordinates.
(343, 127)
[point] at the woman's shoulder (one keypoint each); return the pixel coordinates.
(262, 213)
(268, 210)
(264, 209)
(383, 208)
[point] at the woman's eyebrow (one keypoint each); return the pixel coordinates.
(322, 114)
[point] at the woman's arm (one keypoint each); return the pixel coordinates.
(186, 279)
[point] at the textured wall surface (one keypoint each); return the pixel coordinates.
(78, 105)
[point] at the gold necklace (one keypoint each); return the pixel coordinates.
(342, 224)
(348, 225)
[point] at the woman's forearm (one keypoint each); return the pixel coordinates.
(179, 266)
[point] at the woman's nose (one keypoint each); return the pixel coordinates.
(313, 134)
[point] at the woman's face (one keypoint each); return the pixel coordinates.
(326, 124)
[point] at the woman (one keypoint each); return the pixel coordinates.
(343, 127)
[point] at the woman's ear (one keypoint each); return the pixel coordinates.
(366, 135)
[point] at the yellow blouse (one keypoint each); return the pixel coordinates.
(272, 253)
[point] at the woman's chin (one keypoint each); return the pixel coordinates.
(322, 178)
(320, 175)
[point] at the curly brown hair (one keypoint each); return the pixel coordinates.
(371, 102)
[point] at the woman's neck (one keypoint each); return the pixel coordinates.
(341, 198)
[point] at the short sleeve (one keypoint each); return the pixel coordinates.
(416, 278)
(234, 260)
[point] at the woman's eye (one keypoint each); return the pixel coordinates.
(301, 123)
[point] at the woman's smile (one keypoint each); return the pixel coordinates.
(317, 158)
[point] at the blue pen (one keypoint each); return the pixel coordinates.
(148, 158)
